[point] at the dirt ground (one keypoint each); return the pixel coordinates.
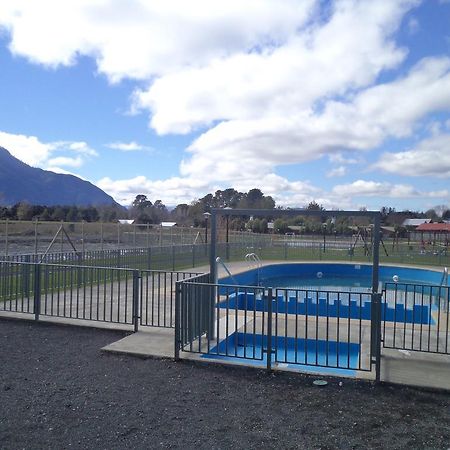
(59, 391)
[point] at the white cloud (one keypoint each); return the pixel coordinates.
(338, 158)
(413, 25)
(32, 151)
(128, 146)
(363, 188)
(141, 38)
(281, 80)
(178, 190)
(26, 148)
(65, 161)
(337, 172)
(431, 157)
(268, 83)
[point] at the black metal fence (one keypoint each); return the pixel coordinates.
(284, 326)
(179, 257)
(104, 294)
(416, 317)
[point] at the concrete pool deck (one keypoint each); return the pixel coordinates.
(397, 366)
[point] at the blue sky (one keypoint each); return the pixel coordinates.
(346, 103)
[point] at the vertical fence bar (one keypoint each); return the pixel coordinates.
(269, 329)
(37, 291)
(135, 301)
(376, 332)
(178, 288)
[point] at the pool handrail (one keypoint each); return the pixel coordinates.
(444, 279)
(249, 257)
(227, 270)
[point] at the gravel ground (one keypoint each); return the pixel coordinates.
(58, 390)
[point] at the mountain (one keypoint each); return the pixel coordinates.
(20, 182)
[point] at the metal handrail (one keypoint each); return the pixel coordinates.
(227, 270)
(253, 257)
(444, 280)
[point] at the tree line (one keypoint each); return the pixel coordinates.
(143, 211)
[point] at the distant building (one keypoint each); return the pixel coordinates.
(414, 223)
(168, 224)
(126, 221)
(434, 227)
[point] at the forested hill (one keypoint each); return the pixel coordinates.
(21, 183)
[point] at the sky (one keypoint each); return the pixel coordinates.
(346, 103)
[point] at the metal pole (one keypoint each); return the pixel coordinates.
(82, 237)
(212, 251)
(177, 320)
(227, 241)
(118, 235)
(37, 291)
(62, 236)
(376, 254)
(136, 300)
(376, 298)
(6, 238)
(35, 237)
(101, 235)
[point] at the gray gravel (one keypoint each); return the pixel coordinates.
(58, 390)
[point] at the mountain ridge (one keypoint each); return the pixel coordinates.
(20, 182)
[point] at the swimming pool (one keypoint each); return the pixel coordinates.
(337, 290)
(329, 276)
(328, 357)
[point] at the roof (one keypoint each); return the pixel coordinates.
(445, 227)
(415, 222)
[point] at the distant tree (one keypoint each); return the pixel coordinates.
(314, 206)
(58, 214)
(280, 226)
(72, 214)
(431, 214)
(24, 211)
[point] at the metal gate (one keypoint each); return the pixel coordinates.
(416, 317)
(338, 330)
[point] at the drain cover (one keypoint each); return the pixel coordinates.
(320, 382)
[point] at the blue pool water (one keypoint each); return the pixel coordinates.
(321, 275)
(325, 277)
(312, 355)
(353, 309)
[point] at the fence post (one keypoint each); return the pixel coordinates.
(135, 301)
(376, 334)
(193, 255)
(177, 341)
(37, 291)
(173, 257)
(285, 250)
(269, 329)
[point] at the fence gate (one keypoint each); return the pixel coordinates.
(332, 330)
(415, 317)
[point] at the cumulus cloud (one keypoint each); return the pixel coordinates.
(163, 36)
(263, 83)
(32, 151)
(363, 188)
(280, 80)
(128, 146)
(337, 172)
(431, 157)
